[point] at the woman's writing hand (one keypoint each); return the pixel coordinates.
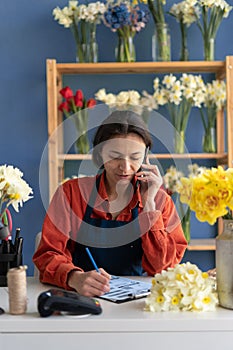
(151, 181)
(91, 283)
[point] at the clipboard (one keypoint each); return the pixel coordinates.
(124, 289)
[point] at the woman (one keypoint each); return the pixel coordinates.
(129, 223)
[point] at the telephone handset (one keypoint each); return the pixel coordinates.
(144, 160)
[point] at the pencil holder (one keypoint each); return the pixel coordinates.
(9, 258)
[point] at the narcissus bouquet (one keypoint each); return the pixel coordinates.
(13, 191)
(185, 13)
(172, 181)
(214, 101)
(82, 21)
(182, 288)
(179, 95)
(77, 106)
(209, 195)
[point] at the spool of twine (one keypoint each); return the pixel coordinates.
(17, 290)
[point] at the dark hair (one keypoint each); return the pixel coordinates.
(119, 123)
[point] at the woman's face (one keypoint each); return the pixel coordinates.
(122, 157)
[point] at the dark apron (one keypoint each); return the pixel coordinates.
(124, 260)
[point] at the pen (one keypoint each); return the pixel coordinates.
(17, 234)
(19, 250)
(92, 259)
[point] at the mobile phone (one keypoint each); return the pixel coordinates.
(144, 160)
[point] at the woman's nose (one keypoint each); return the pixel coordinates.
(125, 164)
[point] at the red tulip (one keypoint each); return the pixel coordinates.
(91, 103)
(78, 103)
(64, 106)
(79, 95)
(66, 92)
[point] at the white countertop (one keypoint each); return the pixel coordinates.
(126, 317)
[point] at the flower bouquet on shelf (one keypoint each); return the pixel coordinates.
(76, 105)
(82, 20)
(182, 288)
(172, 180)
(209, 194)
(209, 15)
(126, 19)
(214, 101)
(179, 95)
(13, 191)
(161, 46)
(185, 13)
(127, 100)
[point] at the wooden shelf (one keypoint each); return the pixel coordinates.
(217, 67)
(220, 156)
(55, 72)
(202, 244)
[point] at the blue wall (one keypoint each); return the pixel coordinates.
(28, 36)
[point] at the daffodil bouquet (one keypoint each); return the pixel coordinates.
(182, 288)
(179, 95)
(172, 182)
(82, 21)
(214, 101)
(209, 195)
(209, 15)
(185, 13)
(13, 191)
(212, 14)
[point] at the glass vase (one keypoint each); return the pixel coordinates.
(82, 144)
(209, 140)
(87, 50)
(125, 50)
(224, 263)
(161, 43)
(179, 142)
(209, 47)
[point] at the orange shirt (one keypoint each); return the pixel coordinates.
(163, 241)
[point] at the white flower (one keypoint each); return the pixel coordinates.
(100, 95)
(110, 99)
(169, 80)
(148, 101)
(130, 99)
(185, 11)
(73, 13)
(13, 189)
(184, 287)
(122, 98)
(215, 95)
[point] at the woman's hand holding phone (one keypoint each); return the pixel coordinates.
(150, 181)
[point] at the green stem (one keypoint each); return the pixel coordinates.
(74, 29)
(184, 46)
(203, 119)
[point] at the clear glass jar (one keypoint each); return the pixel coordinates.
(209, 47)
(125, 50)
(224, 263)
(161, 43)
